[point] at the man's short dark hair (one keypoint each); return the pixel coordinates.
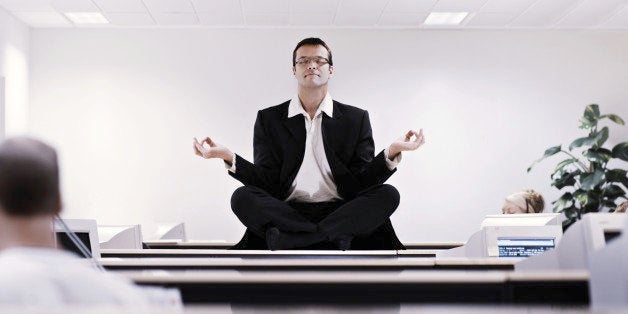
(312, 41)
(29, 177)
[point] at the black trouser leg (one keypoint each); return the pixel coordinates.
(363, 214)
(258, 210)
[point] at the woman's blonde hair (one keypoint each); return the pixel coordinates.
(529, 200)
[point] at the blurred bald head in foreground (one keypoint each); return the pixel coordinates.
(29, 192)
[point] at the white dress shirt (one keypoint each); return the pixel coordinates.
(314, 181)
(46, 277)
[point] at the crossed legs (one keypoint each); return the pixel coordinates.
(287, 225)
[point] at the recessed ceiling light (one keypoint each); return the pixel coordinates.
(86, 17)
(445, 18)
(42, 18)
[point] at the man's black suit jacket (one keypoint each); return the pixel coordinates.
(278, 148)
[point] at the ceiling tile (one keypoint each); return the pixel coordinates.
(543, 13)
(169, 6)
(178, 19)
(75, 6)
(266, 6)
(217, 6)
(221, 19)
(591, 13)
(504, 6)
(410, 6)
(27, 6)
(130, 19)
(43, 19)
(281, 19)
(307, 6)
(619, 20)
(355, 7)
(311, 19)
(496, 20)
(361, 20)
(125, 6)
(407, 20)
(458, 5)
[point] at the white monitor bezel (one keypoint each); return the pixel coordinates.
(80, 226)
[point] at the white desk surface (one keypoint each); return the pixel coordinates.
(225, 243)
(280, 262)
(227, 308)
(313, 277)
(302, 262)
(391, 253)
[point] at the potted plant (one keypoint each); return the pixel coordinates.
(589, 184)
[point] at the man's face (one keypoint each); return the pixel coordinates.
(311, 73)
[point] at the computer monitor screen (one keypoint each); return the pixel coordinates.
(610, 235)
(85, 229)
(63, 240)
(523, 247)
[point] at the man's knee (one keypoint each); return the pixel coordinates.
(241, 199)
(390, 193)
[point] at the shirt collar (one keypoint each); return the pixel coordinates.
(295, 107)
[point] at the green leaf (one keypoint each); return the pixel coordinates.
(621, 151)
(564, 202)
(592, 206)
(588, 181)
(579, 142)
(592, 112)
(564, 163)
(590, 117)
(563, 179)
(617, 175)
(613, 191)
(600, 155)
(614, 118)
(581, 196)
(601, 137)
(548, 152)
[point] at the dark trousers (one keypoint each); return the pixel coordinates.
(258, 211)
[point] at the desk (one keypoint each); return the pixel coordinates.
(370, 287)
(178, 253)
(309, 263)
(213, 245)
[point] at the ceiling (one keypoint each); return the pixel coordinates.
(374, 14)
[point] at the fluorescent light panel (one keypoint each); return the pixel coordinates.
(86, 17)
(445, 18)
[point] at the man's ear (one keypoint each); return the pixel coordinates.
(331, 70)
(294, 71)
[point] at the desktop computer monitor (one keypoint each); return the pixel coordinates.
(505, 236)
(520, 241)
(85, 229)
(593, 232)
(120, 236)
(542, 219)
(523, 246)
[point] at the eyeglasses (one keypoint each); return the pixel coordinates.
(306, 60)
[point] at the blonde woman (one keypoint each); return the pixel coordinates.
(524, 202)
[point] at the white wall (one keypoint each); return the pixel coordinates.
(122, 106)
(14, 49)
